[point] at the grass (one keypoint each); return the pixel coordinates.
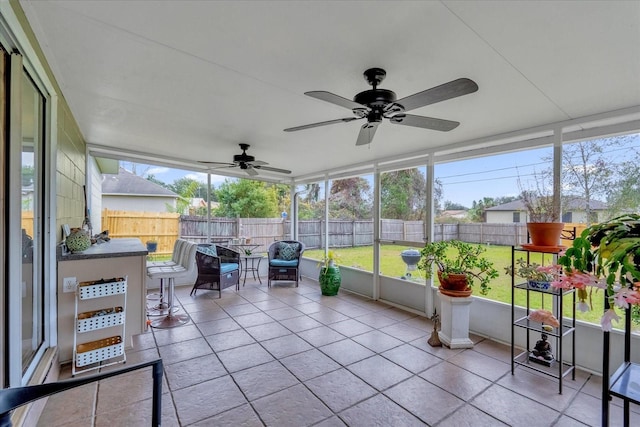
(392, 265)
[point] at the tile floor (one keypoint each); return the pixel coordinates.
(286, 356)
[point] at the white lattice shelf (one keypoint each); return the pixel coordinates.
(107, 350)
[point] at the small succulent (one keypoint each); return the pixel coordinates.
(533, 271)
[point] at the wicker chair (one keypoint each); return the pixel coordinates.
(219, 271)
(284, 260)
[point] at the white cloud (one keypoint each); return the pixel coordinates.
(157, 170)
(202, 177)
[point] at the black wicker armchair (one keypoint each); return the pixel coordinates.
(284, 260)
(218, 268)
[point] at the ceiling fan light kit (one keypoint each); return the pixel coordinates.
(247, 163)
(378, 104)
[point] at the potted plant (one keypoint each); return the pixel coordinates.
(606, 256)
(543, 222)
(152, 245)
(537, 276)
(459, 265)
(329, 277)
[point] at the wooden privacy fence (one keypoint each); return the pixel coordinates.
(261, 231)
(162, 227)
(350, 233)
(165, 228)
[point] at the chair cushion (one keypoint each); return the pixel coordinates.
(166, 272)
(287, 251)
(209, 250)
(283, 263)
(227, 267)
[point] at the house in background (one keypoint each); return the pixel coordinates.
(452, 215)
(574, 211)
(200, 204)
(126, 191)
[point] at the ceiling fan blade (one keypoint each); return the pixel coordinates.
(424, 122)
(334, 99)
(328, 122)
(258, 163)
(216, 163)
(445, 91)
(251, 171)
(269, 168)
(367, 131)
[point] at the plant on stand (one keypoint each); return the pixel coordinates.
(329, 277)
(606, 256)
(459, 265)
(543, 216)
(537, 276)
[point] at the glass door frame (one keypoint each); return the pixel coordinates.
(23, 60)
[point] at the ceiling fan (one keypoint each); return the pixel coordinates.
(247, 163)
(377, 104)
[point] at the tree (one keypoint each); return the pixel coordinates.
(312, 192)
(350, 198)
(477, 211)
(587, 169)
(186, 188)
(625, 194)
(28, 174)
(437, 195)
(452, 206)
(311, 210)
(403, 194)
(246, 198)
(283, 194)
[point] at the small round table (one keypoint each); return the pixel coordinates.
(251, 264)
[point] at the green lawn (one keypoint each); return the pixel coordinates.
(392, 265)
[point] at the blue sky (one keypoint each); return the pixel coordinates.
(494, 176)
(463, 181)
(169, 175)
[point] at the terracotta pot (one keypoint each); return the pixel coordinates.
(545, 233)
(454, 285)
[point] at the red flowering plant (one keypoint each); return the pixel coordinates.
(606, 256)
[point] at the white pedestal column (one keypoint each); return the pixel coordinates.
(454, 321)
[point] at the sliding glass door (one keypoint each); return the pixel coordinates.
(31, 221)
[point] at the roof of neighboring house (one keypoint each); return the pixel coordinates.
(130, 184)
(569, 204)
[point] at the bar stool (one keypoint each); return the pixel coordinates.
(156, 302)
(169, 273)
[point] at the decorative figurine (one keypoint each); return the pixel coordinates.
(542, 351)
(434, 340)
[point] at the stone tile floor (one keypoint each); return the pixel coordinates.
(286, 356)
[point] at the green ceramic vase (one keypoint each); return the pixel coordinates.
(329, 280)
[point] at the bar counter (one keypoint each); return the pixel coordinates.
(115, 258)
(112, 249)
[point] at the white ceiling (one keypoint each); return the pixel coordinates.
(190, 80)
